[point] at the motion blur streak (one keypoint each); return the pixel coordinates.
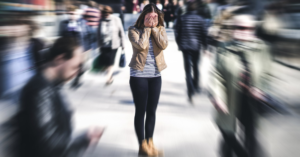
(231, 86)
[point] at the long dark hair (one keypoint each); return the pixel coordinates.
(149, 9)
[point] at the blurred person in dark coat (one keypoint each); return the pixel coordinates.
(167, 9)
(241, 80)
(44, 118)
(190, 36)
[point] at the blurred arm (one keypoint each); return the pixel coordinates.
(139, 41)
(121, 33)
(160, 37)
(218, 89)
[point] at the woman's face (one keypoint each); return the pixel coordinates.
(151, 19)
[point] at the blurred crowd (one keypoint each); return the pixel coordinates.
(241, 37)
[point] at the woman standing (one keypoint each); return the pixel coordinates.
(111, 36)
(148, 38)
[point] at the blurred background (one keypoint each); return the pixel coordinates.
(29, 27)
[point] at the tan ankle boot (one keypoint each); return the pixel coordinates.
(152, 148)
(144, 149)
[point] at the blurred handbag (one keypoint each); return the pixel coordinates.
(122, 62)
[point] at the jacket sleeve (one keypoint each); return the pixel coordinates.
(266, 78)
(218, 86)
(204, 34)
(41, 115)
(139, 41)
(177, 30)
(160, 37)
(121, 32)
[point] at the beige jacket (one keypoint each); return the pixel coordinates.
(139, 39)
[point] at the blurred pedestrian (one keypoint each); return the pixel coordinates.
(167, 9)
(44, 118)
(145, 2)
(148, 38)
(92, 16)
(159, 5)
(213, 7)
(241, 81)
(20, 56)
(136, 7)
(77, 27)
(175, 6)
(111, 36)
(190, 34)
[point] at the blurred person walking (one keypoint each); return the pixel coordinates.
(135, 7)
(190, 35)
(44, 118)
(92, 16)
(111, 36)
(159, 5)
(77, 27)
(240, 82)
(20, 56)
(145, 2)
(148, 38)
(175, 6)
(167, 9)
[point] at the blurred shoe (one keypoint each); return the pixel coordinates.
(152, 148)
(75, 85)
(109, 82)
(144, 149)
(190, 96)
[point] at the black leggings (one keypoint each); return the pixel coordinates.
(145, 93)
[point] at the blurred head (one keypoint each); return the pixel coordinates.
(73, 13)
(65, 57)
(192, 6)
(175, 2)
(244, 27)
(146, 2)
(106, 11)
(92, 4)
(180, 3)
(158, 2)
(149, 9)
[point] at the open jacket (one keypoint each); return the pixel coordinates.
(139, 39)
(227, 76)
(44, 122)
(118, 35)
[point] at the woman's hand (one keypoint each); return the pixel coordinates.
(151, 20)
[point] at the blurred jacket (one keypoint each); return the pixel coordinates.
(44, 122)
(190, 32)
(226, 77)
(118, 35)
(139, 39)
(84, 32)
